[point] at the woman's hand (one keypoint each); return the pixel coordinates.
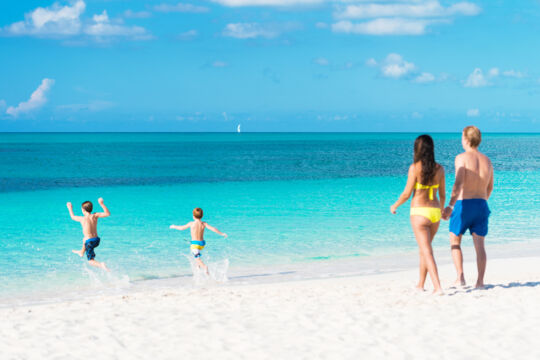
(393, 209)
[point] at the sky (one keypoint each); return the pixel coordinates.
(270, 65)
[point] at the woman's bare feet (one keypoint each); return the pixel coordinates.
(438, 292)
(78, 252)
(480, 286)
(419, 288)
(460, 281)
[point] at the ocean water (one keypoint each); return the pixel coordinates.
(283, 199)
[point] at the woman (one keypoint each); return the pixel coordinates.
(425, 177)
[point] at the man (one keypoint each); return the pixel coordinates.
(468, 208)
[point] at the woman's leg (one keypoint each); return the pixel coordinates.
(422, 228)
(423, 272)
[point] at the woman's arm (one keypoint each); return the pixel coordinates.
(406, 194)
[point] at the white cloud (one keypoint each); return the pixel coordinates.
(2, 104)
(250, 31)
(473, 112)
(513, 73)
(493, 72)
(137, 14)
(417, 115)
(321, 25)
(391, 17)
(102, 27)
(279, 3)
(181, 7)
(382, 26)
(37, 99)
(321, 61)
(395, 66)
(427, 9)
(371, 62)
(96, 105)
(476, 79)
(55, 20)
(424, 78)
(188, 35)
(219, 64)
(65, 21)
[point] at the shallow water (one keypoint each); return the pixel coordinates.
(289, 199)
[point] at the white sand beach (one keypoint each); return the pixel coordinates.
(373, 316)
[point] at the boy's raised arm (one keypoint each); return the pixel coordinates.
(180, 227)
(211, 228)
(71, 214)
(105, 212)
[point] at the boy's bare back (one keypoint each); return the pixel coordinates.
(197, 229)
(88, 220)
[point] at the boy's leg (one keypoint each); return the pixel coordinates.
(457, 256)
(201, 264)
(98, 264)
(80, 252)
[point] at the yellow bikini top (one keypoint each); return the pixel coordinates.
(419, 186)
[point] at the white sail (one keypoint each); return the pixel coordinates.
(238, 129)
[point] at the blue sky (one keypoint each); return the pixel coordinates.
(270, 65)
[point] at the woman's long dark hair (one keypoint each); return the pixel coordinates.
(424, 151)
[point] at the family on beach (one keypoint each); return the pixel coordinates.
(467, 209)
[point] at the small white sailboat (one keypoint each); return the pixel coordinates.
(238, 130)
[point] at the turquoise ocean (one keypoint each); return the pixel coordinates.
(284, 199)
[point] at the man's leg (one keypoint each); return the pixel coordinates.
(481, 259)
(457, 256)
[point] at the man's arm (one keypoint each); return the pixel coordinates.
(490, 184)
(458, 184)
(180, 227)
(71, 214)
(105, 212)
(211, 228)
(457, 188)
(406, 194)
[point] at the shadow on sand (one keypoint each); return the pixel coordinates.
(469, 289)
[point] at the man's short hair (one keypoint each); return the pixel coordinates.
(197, 213)
(87, 206)
(473, 135)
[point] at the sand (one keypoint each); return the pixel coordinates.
(371, 317)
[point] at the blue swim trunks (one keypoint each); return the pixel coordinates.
(89, 246)
(472, 215)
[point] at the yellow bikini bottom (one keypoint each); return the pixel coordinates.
(430, 213)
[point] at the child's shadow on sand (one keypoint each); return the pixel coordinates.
(469, 289)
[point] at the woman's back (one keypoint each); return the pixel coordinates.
(425, 192)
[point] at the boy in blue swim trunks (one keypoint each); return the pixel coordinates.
(468, 208)
(197, 235)
(89, 227)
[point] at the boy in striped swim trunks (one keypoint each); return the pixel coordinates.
(197, 235)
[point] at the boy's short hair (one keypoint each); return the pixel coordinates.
(197, 213)
(87, 206)
(473, 135)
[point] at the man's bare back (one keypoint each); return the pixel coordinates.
(475, 174)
